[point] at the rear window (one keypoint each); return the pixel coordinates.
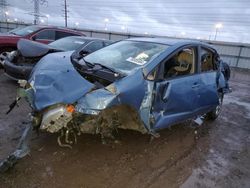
(207, 60)
(68, 43)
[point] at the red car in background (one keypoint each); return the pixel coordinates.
(43, 34)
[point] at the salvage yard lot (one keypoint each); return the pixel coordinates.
(215, 154)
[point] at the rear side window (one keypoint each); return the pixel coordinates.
(61, 34)
(207, 60)
(46, 35)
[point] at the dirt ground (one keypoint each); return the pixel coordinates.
(216, 154)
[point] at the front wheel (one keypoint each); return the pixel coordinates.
(216, 111)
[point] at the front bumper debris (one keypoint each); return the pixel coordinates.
(21, 151)
(16, 71)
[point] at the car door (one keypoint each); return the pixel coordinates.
(177, 92)
(208, 75)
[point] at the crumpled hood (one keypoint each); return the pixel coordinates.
(54, 80)
(38, 49)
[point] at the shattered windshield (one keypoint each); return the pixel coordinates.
(126, 55)
(24, 31)
(68, 43)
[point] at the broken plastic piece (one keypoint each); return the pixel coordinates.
(21, 151)
(12, 105)
(199, 120)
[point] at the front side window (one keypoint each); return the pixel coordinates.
(61, 34)
(207, 60)
(126, 55)
(45, 35)
(182, 63)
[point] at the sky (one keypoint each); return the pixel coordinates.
(178, 18)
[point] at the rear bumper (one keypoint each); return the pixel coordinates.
(17, 72)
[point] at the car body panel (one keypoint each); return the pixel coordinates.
(208, 91)
(56, 81)
(166, 108)
(10, 40)
(38, 49)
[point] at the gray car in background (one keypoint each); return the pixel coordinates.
(19, 64)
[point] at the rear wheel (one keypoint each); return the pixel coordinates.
(216, 111)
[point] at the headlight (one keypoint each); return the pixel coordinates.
(56, 118)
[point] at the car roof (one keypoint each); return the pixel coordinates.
(59, 28)
(168, 41)
(88, 38)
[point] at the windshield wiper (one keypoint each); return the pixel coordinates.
(105, 67)
(92, 66)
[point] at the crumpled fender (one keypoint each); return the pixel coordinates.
(54, 80)
(126, 94)
(135, 95)
(38, 49)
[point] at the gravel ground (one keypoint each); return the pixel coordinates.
(216, 154)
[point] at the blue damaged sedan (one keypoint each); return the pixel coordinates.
(141, 84)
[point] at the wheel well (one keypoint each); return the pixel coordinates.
(121, 116)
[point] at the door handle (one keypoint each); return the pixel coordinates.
(165, 92)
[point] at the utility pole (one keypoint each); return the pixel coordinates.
(65, 13)
(217, 27)
(3, 5)
(36, 13)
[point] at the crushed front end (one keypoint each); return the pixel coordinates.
(69, 102)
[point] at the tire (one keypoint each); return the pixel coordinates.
(214, 114)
